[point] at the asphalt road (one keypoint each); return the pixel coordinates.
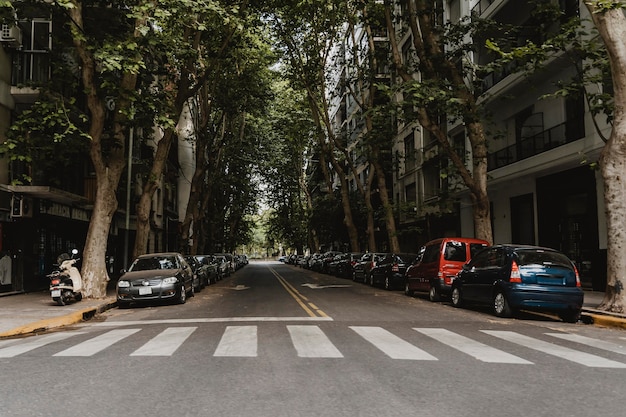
(276, 340)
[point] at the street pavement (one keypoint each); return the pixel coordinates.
(26, 313)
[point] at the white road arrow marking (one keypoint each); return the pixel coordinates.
(320, 287)
(240, 287)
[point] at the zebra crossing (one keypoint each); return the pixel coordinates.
(311, 341)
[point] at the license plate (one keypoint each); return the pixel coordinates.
(55, 293)
(145, 290)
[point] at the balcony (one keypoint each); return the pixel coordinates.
(30, 67)
(554, 137)
(481, 6)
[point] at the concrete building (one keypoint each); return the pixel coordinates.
(542, 187)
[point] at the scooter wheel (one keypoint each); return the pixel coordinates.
(59, 301)
(79, 296)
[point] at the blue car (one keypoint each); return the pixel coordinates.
(520, 277)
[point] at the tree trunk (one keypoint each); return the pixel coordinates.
(109, 170)
(612, 27)
(144, 206)
(390, 223)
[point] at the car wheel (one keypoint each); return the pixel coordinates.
(407, 290)
(182, 296)
(456, 297)
(501, 307)
(570, 316)
(387, 284)
(123, 304)
(434, 294)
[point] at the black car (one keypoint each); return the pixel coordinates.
(343, 267)
(200, 276)
(361, 269)
(156, 277)
(510, 278)
(389, 271)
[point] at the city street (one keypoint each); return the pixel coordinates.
(278, 340)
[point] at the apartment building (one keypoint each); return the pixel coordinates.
(541, 185)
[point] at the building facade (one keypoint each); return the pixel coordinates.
(541, 182)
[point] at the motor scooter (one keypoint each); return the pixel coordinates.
(65, 281)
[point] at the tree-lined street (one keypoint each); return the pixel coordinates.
(277, 340)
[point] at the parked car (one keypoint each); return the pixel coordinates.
(344, 266)
(199, 273)
(210, 266)
(518, 277)
(438, 263)
(156, 277)
(361, 269)
(389, 271)
(232, 267)
(223, 266)
(334, 263)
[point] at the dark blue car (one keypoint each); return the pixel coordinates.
(519, 277)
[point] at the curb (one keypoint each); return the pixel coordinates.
(65, 320)
(605, 320)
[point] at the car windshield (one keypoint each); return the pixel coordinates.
(158, 262)
(540, 257)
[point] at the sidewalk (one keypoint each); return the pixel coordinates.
(27, 313)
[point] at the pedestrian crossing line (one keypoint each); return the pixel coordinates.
(600, 344)
(14, 350)
(97, 344)
(238, 341)
(471, 347)
(166, 342)
(392, 345)
(311, 342)
(572, 355)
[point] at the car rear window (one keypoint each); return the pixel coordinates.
(455, 251)
(540, 257)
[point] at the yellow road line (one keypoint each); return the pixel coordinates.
(300, 299)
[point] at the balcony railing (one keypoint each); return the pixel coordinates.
(481, 6)
(567, 132)
(30, 67)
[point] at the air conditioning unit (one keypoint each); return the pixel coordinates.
(11, 35)
(21, 206)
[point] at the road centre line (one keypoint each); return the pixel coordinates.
(300, 299)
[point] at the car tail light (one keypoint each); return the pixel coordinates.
(515, 275)
(577, 276)
(395, 268)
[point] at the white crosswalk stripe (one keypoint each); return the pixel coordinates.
(392, 345)
(599, 344)
(18, 349)
(97, 344)
(311, 342)
(582, 358)
(166, 342)
(238, 341)
(471, 347)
